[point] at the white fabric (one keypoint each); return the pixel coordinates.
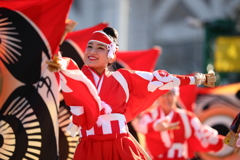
(107, 108)
(175, 147)
(107, 126)
(176, 82)
(152, 86)
(90, 132)
(112, 49)
(79, 76)
(145, 75)
(186, 124)
(204, 133)
(97, 80)
(119, 77)
(63, 63)
(77, 110)
(113, 117)
(192, 80)
(200, 78)
(64, 86)
(122, 126)
(185, 150)
(72, 129)
(102, 119)
(165, 136)
(100, 84)
(95, 77)
(164, 82)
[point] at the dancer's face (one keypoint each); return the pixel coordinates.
(168, 100)
(95, 56)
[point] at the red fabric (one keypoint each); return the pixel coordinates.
(138, 88)
(199, 148)
(168, 158)
(81, 37)
(155, 142)
(142, 60)
(80, 95)
(48, 21)
(115, 129)
(107, 147)
(140, 96)
(98, 36)
(188, 95)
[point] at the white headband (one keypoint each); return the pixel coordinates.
(105, 39)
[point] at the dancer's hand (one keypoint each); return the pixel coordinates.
(210, 80)
(205, 79)
(164, 126)
(54, 65)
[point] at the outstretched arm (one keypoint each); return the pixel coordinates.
(205, 79)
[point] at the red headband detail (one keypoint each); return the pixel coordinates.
(98, 36)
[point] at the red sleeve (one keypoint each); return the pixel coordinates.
(145, 87)
(150, 127)
(153, 139)
(79, 120)
(75, 85)
(206, 138)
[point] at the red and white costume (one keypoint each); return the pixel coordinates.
(178, 144)
(102, 105)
